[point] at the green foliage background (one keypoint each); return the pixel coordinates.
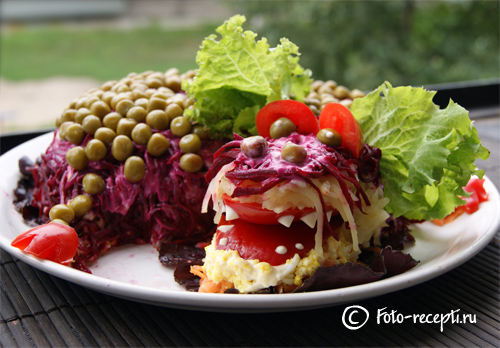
(363, 43)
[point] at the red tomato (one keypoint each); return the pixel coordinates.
(338, 117)
(477, 195)
(52, 241)
(260, 242)
(297, 112)
(253, 212)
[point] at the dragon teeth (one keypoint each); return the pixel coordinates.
(309, 219)
(286, 220)
(231, 214)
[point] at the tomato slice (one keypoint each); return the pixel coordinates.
(338, 117)
(477, 195)
(297, 112)
(253, 212)
(262, 242)
(52, 241)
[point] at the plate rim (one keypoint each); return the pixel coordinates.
(248, 302)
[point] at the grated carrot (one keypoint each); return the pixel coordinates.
(209, 286)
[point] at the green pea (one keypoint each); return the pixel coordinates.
(75, 133)
(106, 135)
(111, 120)
(141, 134)
(137, 113)
(173, 111)
(62, 129)
(282, 127)
(134, 168)
(190, 143)
(158, 144)
(330, 137)
(99, 108)
(191, 162)
(293, 153)
(59, 221)
(125, 126)
(81, 204)
(180, 126)
(93, 184)
(77, 158)
(63, 212)
(122, 148)
(81, 114)
(124, 106)
(158, 119)
(95, 150)
(156, 104)
(201, 131)
(254, 147)
(91, 123)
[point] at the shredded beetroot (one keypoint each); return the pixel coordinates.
(271, 169)
(157, 209)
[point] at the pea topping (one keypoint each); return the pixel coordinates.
(190, 143)
(293, 153)
(93, 184)
(134, 168)
(173, 111)
(100, 109)
(141, 134)
(81, 114)
(125, 126)
(156, 104)
(254, 147)
(180, 126)
(124, 106)
(91, 123)
(95, 150)
(59, 221)
(75, 133)
(330, 137)
(111, 120)
(201, 131)
(282, 127)
(158, 119)
(122, 147)
(63, 128)
(142, 102)
(63, 212)
(191, 162)
(77, 158)
(67, 115)
(106, 135)
(158, 144)
(137, 113)
(81, 204)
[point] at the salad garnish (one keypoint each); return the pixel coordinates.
(238, 75)
(428, 153)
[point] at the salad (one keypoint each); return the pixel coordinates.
(242, 180)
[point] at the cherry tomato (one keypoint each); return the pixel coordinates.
(52, 241)
(338, 117)
(253, 212)
(273, 244)
(297, 112)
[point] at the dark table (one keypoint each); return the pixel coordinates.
(39, 310)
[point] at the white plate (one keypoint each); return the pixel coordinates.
(134, 272)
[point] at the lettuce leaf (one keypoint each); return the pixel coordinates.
(428, 153)
(237, 73)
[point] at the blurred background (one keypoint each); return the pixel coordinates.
(52, 51)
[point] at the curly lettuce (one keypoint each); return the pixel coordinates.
(428, 153)
(237, 75)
